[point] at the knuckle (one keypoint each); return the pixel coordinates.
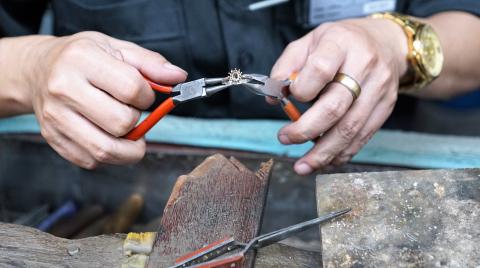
(325, 70)
(77, 47)
(337, 28)
(49, 114)
(130, 88)
(387, 74)
(56, 85)
(320, 160)
(104, 152)
(125, 121)
(363, 139)
(89, 35)
(333, 110)
(371, 57)
(90, 165)
(349, 129)
(47, 135)
(140, 152)
(300, 94)
(293, 45)
(392, 99)
(342, 159)
(303, 134)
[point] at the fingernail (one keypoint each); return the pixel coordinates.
(284, 139)
(303, 169)
(175, 68)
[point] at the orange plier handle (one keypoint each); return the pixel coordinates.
(200, 88)
(288, 107)
(163, 109)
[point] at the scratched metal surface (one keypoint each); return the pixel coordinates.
(402, 219)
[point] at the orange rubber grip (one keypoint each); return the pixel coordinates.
(290, 109)
(235, 260)
(142, 128)
(293, 76)
(158, 87)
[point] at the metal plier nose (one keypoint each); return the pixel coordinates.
(265, 86)
(196, 89)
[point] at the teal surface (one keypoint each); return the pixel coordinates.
(386, 147)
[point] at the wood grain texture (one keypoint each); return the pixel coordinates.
(219, 198)
(22, 246)
(427, 218)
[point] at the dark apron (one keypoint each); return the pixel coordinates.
(205, 37)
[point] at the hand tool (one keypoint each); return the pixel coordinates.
(125, 215)
(33, 217)
(196, 89)
(68, 227)
(95, 228)
(68, 209)
(265, 86)
(210, 255)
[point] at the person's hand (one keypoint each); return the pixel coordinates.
(87, 91)
(372, 52)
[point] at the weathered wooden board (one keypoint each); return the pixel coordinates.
(219, 198)
(22, 246)
(404, 219)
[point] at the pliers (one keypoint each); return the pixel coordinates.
(210, 256)
(196, 89)
(265, 86)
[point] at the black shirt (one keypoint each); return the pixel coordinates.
(205, 37)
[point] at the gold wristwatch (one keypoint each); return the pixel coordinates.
(425, 54)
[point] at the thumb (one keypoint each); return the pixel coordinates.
(151, 64)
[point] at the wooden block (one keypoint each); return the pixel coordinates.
(219, 198)
(424, 218)
(22, 246)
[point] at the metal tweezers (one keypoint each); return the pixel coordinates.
(212, 255)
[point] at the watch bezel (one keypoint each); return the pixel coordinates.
(419, 38)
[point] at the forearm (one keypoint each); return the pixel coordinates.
(460, 37)
(18, 56)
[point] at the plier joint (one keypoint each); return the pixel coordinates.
(200, 88)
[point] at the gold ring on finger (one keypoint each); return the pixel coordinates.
(348, 82)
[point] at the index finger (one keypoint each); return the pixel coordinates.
(319, 69)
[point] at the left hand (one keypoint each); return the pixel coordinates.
(371, 51)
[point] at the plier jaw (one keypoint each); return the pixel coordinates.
(200, 88)
(264, 85)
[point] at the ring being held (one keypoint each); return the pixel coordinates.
(348, 82)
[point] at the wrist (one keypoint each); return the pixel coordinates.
(19, 62)
(392, 34)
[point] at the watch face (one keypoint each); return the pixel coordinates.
(427, 45)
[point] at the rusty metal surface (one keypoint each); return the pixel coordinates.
(424, 218)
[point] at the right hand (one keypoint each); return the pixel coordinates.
(87, 91)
